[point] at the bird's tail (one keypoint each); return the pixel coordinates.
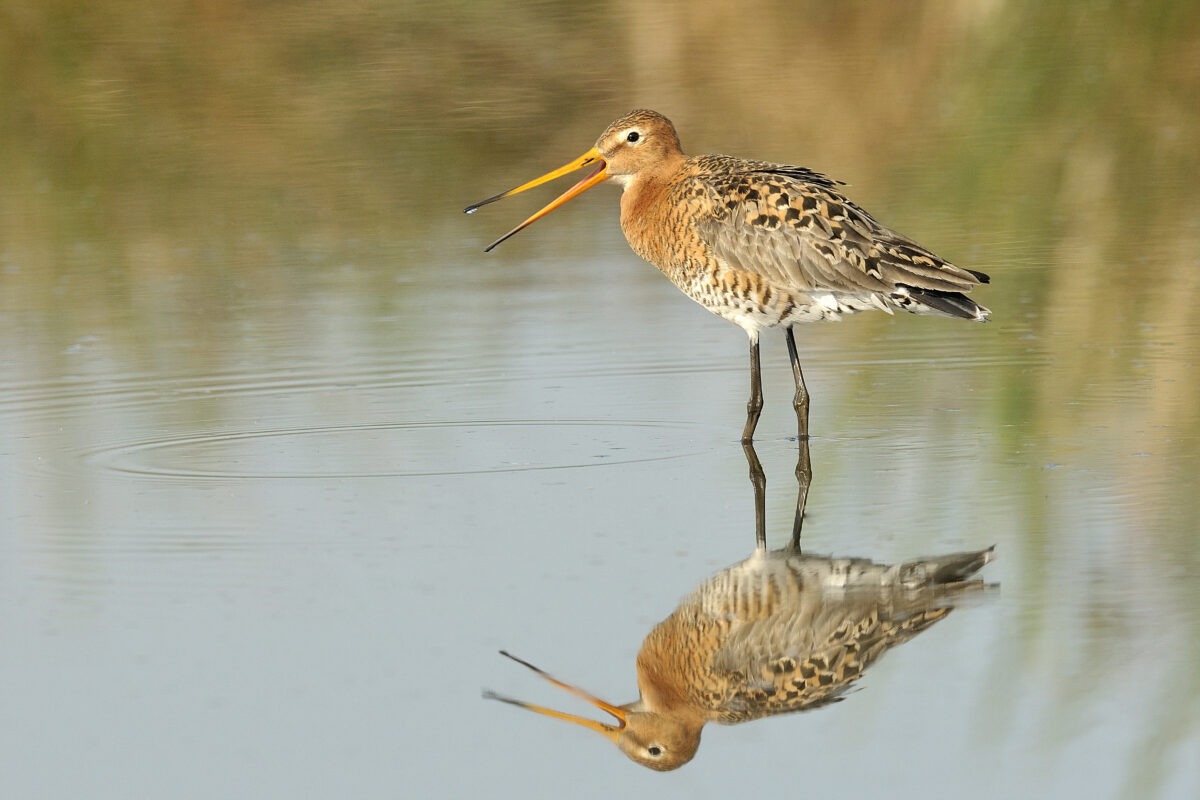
(943, 570)
(934, 301)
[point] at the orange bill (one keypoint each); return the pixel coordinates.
(598, 176)
(613, 732)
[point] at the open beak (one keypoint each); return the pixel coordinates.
(598, 176)
(613, 732)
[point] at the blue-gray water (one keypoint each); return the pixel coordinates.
(285, 459)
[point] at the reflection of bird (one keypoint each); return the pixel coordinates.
(777, 633)
(762, 245)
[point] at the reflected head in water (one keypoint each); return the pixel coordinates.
(777, 633)
(653, 740)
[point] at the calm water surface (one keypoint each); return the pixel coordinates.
(285, 459)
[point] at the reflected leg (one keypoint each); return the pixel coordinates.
(758, 479)
(800, 401)
(755, 404)
(803, 479)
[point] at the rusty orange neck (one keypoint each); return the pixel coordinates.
(662, 680)
(643, 214)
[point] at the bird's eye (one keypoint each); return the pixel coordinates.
(633, 136)
(654, 750)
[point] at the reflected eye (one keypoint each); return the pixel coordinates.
(633, 136)
(654, 750)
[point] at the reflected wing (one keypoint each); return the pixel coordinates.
(792, 226)
(774, 673)
(799, 630)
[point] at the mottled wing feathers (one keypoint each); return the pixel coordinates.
(793, 227)
(766, 685)
(793, 632)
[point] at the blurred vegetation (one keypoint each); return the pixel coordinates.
(205, 116)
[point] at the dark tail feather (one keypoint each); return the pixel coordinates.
(953, 568)
(952, 304)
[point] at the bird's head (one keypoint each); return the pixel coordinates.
(637, 143)
(654, 740)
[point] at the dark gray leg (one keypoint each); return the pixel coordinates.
(754, 406)
(800, 401)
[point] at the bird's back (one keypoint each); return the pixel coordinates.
(745, 236)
